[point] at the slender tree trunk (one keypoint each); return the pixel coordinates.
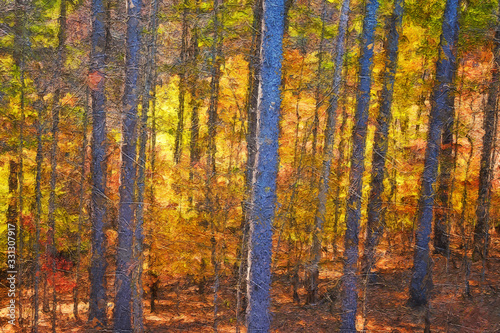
(56, 108)
(212, 126)
(328, 156)
(251, 138)
(80, 208)
(125, 264)
(182, 85)
(38, 211)
(353, 213)
(141, 177)
(263, 199)
(463, 217)
(486, 170)
(194, 150)
(318, 93)
(19, 56)
(338, 173)
(421, 281)
(374, 226)
(442, 213)
(98, 211)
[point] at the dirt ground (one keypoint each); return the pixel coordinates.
(181, 308)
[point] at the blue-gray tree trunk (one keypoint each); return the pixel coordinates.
(141, 174)
(421, 281)
(263, 189)
(319, 220)
(485, 172)
(441, 219)
(56, 108)
(353, 214)
(374, 226)
(97, 302)
(124, 263)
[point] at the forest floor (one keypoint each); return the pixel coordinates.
(181, 308)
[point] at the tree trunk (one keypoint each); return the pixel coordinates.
(38, 212)
(374, 226)
(441, 220)
(485, 173)
(318, 93)
(141, 177)
(194, 150)
(98, 169)
(421, 281)
(263, 199)
(212, 128)
(251, 138)
(328, 156)
(353, 213)
(125, 263)
(56, 108)
(80, 208)
(182, 86)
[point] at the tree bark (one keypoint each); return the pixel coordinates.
(56, 108)
(421, 281)
(353, 213)
(98, 169)
(125, 263)
(490, 123)
(319, 220)
(182, 86)
(38, 211)
(375, 227)
(141, 177)
(80, 208)
(263, 199)
(442, 212)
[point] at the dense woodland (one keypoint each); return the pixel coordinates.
(250, 165)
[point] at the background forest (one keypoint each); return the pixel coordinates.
(250, 165)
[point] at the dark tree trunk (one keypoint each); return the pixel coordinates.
(374, 227)
(251, 110)
(319, 220)
(38, 211)
(20, 46)
(486, 170)
(421, 281)
(442, 211)
(141, 176)
(80, 208)
(98, 169)
(353, 213)
(318, 92)
(56, 108)
(182, 86)
(194, 150)
(125, 264)
(263, 190)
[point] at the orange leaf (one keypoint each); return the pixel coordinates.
(94, 79)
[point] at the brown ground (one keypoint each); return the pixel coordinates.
(386, 311)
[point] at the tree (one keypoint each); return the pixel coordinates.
(374, 225)
(353, 214)
(56, 108)
(319, 220)
(141, 172)
(442, 215)
(263, 193)
(421, 281)
(124, 263)
(98, 209)
(182, 84)
(490, 124)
